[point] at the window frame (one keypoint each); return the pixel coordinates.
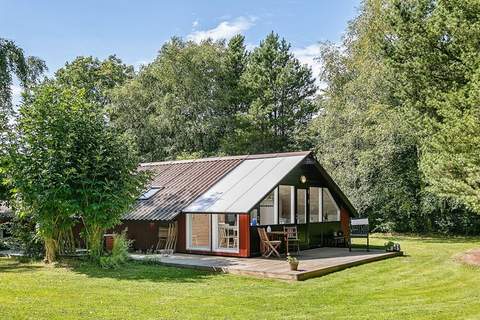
(188, 222)
(293, 209)
(306, 205)
(337, 208)
(214, 234)
(153, 190)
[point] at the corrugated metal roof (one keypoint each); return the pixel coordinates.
(182, 182)
(245, 185)
(185, 180)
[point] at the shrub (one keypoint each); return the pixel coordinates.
(23, 237)
(119, 254)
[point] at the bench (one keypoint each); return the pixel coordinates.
(359, 228)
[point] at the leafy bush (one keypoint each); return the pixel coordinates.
(384, 226)
(291, 259)
(5, 227)
(119, 254)
(23, 237)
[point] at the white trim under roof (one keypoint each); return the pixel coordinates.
(245, 186)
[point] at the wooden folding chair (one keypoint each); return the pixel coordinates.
(291, 235)
(271, 246)
(162, 237)
(168, 235)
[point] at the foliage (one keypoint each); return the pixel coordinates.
(292, 259)
(96, 77)
(119, 254)
(279, 92)
(215, 98)
(433, 50)
(70, 164)
(181, 102)
(380, 133)
(13, 62)
(24, 237)
(5, 229)
(442, 288)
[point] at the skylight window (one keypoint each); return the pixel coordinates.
(150, 193)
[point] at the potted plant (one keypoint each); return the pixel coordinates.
(389, 245)
(293, 262)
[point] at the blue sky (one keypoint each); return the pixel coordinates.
(58, 31)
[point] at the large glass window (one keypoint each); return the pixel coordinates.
(315, 204)
(301, 205)
(198, 231)
(285, 204)
(254, 217)
(267, 214)
(226, 232)
(331, 211)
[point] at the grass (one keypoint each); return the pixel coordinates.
(429, 283)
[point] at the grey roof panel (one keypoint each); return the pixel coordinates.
(245, 185)
(184, 181)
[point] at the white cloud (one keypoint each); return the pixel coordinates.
(195, 24)
(225, 30)
(308, 55)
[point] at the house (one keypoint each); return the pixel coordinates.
(218, 203)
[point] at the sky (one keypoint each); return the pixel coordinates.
(59, 31)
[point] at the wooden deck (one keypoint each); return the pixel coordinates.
(313, 263)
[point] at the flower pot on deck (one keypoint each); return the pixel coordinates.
(293, 266)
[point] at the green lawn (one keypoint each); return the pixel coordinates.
(426, 284)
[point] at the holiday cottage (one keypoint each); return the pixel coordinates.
(217, 204)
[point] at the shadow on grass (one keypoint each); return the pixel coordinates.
(16, 265)
(137, 271)
(430, 238)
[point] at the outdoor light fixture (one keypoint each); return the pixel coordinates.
(303, 179)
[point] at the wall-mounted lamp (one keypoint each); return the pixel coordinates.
(303, 179)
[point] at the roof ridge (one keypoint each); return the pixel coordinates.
(239, 157)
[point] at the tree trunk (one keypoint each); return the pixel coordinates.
(95, 241)
(51, 246)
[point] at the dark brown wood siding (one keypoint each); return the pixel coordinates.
(345, 221)
(143, 233)
(182, 233)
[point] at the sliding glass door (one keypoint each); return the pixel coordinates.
(213, 232)
(225, 232)
(198, 232)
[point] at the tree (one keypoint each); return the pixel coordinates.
(364, 143)
(184, 101)
(97, 77)
(69, 165)
(433, 49)
(13, 62)
(396, 100)
(279, 93)
(235, 60)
